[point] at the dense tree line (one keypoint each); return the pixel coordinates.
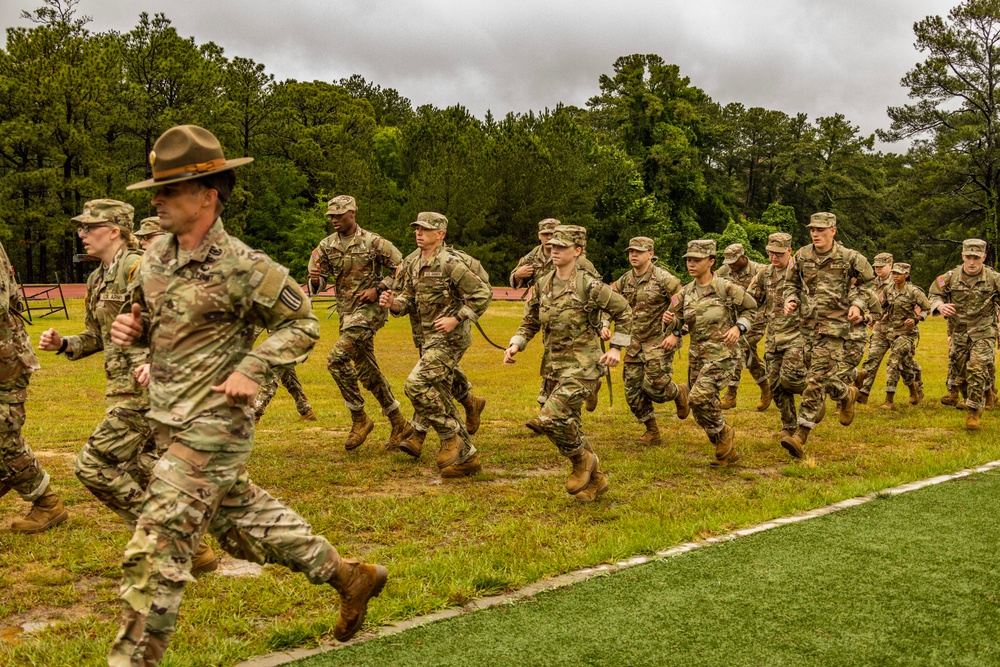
(650, 154)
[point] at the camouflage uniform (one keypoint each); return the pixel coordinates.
(748, 357)
(857, 336)
(288, 379)
(974, 325)
(19, 469)
(356, 264)
(648, 369)
(567, 314)
(441, 286)
(203, 306)
(898, 306)
(878, 343)
(784, 345)
(707, 313)
(821, 285)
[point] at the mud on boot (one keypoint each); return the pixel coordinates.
(361, 426)
(357, 583)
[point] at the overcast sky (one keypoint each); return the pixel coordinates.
(816, 56)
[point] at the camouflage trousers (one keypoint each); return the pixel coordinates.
(460, 389)
(19, 469)
(748, 357)
(648, 382)
(956, 370)
(198, 487)
(289, 379)
(878, 346)
(116, 464)
(786, 376)
(709, 378)
(560, 418)
(975, 370)
(828, 374)
(429, 388)
(351, 360)
(902, 364)
(854, 352)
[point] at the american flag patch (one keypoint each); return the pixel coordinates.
(674, 300)
(940, 281)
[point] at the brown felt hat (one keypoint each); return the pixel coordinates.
(185, 152)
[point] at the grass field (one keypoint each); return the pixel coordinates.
(444, 543)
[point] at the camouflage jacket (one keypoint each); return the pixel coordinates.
(358, 267)
(107, 293)
(17, 358)
(567, 321)
(203, 307)
(880, 285)
(441, 286)
(822, 288)
(543, 265)
(976, 300)
(743, 279)
(900, 305)
(768, 289)
(648, 296)
(872, 313)
(709, 316)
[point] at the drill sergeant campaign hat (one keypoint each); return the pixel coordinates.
(641, 243)
(149, 227)
(548, 225)
(109, 212)
(700, 249)
(974, 247)
(185, 152)
(901, 267)
(822, 220)
(882, 259)
(569, 235)
(732, 253)
(430, 220)
(340, 205)
(779, 242)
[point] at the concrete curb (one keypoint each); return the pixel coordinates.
(285, 657)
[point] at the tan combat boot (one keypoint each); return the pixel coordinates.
(683, 401)
(991, 399)
(972, 419)
(889, 402)
(729, 400)
(401, 430)
(451, 447)
(862, 398)
(584, 464)
(952, 398)
(765, 396)
(960, 405)
(845, 411)
(204, 559)
(725, 449)
(309, 416)
(414, 445)
(591, 403)
(652, 434)
(859, 380)
(534, 425)
(795, 444)
(466, 468)
(47, 511)
(783, 433)
(361, 426)
(598, 487)
(474, 406)
(916, 394)
(357, 583)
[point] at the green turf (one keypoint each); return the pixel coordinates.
(905, 580)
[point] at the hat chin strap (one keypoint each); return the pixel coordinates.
(197, 168)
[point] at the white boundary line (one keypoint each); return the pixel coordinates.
(576, 576)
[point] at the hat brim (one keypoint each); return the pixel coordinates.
(425, 225)
(876, 265)
(776, 248)
(83, 219)
(820, 225)
(155, 183)
(640, 249)
(895, 269)
(560, 243)
(730, 260)
(695, 255)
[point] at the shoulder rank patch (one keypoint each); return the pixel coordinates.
(940, 281)
(291, 297)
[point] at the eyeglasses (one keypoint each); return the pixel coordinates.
(84, 230)
(335, 216)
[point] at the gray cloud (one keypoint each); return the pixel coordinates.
(819, 57)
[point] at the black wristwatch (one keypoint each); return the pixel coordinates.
(742, 327)
(615, 346)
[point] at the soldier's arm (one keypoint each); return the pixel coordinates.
(863, 293)
(389, 260)
(530, 324)
(939, 294)
(923, 303)
(793, 282)
(319, 271)
(745, 305)
(90, 340)
(126, 329)
(515, 282)
(475, 294)
(404, 292)
(617, 308)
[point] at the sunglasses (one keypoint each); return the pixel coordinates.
(84, 230)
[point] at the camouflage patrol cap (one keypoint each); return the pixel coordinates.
(547, 225)
(700, 249)
(430, 220)
(569, 235)
(974, 247)
(106, 211)
(900, 267)
(340, 205)
(641, 243)
(822, 220)
(779, 242)
(149, 227)
(882, 259)
(732, 253)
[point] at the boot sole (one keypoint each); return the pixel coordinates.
(381, 576)
(597, 494)
(51, 524)
(649, 443)
(459, 474)
(792, 448)
(726, 461)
